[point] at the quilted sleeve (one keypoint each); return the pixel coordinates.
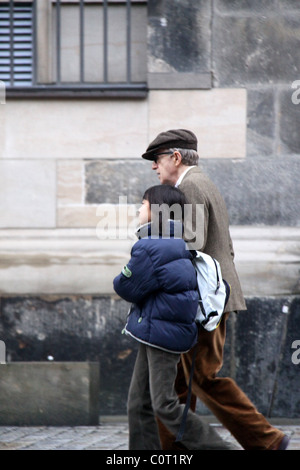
(137, 279)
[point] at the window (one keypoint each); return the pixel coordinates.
(16, 44)
(65, 47)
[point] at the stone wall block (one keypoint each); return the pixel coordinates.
(70, 182)
(73, 129)
(28, 194)
(261, 193)
(76, 329)
(171, 46)
(258, 344)
(218, 117)
(49, 394)
(107, 181)
(261, 125)
(266, 51)
(286, 401)
(239, 6)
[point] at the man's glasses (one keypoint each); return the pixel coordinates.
(157, 155)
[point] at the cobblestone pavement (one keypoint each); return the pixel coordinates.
(110, 435)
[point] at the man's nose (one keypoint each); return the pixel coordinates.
(154, 165)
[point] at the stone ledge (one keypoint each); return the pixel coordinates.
(64, 261)
(179, 81)
(268, 259)
(49, 394)
(75, 261)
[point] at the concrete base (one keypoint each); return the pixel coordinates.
(49, 393)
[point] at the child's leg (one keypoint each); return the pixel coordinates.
(198, 434)
(143, 430)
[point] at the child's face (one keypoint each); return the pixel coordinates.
(144, 212)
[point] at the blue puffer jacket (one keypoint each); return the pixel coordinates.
(161, 283)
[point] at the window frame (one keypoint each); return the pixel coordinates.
(82, 89)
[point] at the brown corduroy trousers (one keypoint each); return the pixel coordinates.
(221, 395)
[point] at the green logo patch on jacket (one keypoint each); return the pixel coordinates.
(126, 271)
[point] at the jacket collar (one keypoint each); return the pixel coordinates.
(183, 175)
(192, 169)
(173, 229)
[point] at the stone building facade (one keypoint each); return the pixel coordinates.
(71, 176)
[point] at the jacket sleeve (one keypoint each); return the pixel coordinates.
(137, 279)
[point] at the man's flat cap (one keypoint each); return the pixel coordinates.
(180, 138)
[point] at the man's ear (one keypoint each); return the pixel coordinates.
(177, 158)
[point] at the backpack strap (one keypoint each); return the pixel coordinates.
(188, 400)
(228, 292)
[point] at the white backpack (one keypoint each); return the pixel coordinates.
(213, 291)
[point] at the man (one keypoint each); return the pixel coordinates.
(174, 158)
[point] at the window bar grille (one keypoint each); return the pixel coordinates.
(105, 42)
(17, 80)
(128, 39)
(58, 42)
(81, 28)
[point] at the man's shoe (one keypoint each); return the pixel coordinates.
(283, 444)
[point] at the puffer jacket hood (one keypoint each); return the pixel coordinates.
(160, 281)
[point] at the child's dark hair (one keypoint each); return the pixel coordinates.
(169, 202)
(165, 194)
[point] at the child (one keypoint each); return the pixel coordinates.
(160, 281)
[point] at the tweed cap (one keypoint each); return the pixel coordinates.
(180, 138)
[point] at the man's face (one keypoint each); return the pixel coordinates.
(164, 165)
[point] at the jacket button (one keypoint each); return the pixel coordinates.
(140, 319)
